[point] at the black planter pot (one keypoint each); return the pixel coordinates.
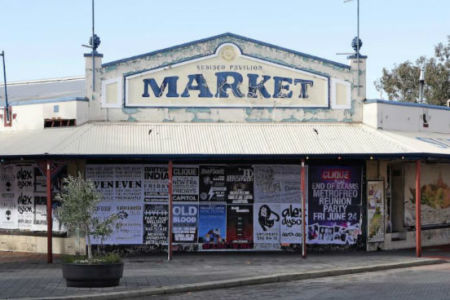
(95, 275)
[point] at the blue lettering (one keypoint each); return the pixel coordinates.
(303, 87)
(279, 88)
(159, 90)
(222, 84)
(201, 86)
(253, 86)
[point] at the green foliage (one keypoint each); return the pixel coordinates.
(79, 200)
(110, 258)
(402, 82)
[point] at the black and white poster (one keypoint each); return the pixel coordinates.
(156, 183)
(128, 183)
(25, 209)
(239, 181)
(185, 223)
(212, 183)
(240, 226)
(8, 201)
(266, 226)
(185, 183)
(24, 178)
(103, 178)
(156, 224)
(291, 223)
(277, 183)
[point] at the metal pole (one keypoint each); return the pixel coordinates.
(93, 48)
(6, 89)
(49, 215)
(357, 44)
(418, 221)
(302, 179)
(169, 252)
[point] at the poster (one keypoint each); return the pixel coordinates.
(8, 203)
(277, 183)
(185, 183)
(156, 183)
(212, 183)
(435, 194)
(212, 226)
(375, 211)
(129, 230)
(156, 224)
(185, 221)
(266, 226)
(103, 178)
(128, 183)
(25, 210)
(239, 182)
(24, 178)
(40, 213)
(240, 226)
(291, 223)
(334, 204)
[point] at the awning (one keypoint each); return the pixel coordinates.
(213, 139)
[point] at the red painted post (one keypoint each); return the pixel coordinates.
(169, 252)
(418, 221)
(49, 214)
(303, 210)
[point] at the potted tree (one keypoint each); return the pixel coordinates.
(79, 200)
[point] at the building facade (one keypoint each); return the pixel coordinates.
(251, 135)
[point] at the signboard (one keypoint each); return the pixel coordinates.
(375, 211)
(226, 78)
(334, 204)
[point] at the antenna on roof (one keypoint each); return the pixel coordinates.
(421, 83)
(7, 118)
(94, 42)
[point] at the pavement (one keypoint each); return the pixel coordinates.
(28, 276)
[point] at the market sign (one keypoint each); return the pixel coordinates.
(227, 78)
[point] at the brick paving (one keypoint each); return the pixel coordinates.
(28, 275)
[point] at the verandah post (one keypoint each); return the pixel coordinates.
(418, 221)
(302, 179)
(169, 245)
(49, 214)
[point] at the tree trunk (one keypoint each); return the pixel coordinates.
(88, 238)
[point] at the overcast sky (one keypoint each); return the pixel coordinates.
(42, 38)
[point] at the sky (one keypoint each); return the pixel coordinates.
(42, 38)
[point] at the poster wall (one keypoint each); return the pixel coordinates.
(435, 194)
(375, 211)
(334, 205)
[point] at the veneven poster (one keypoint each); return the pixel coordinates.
(334, 204)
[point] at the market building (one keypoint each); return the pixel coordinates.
(245, 131)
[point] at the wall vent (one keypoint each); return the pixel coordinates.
(58, 122)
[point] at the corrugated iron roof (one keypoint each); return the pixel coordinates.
(26, 91)
(148, 139)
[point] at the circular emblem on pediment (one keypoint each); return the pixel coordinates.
(228, 53)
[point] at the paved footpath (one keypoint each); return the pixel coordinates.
(29, 276)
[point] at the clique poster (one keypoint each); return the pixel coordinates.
(334, 204)
(185, 183)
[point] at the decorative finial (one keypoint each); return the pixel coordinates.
(356, 44)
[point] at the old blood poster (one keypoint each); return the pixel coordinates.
(239, 182)
(185, 183)
(185, 220)
(156, 224)
(212, 226)
(334, 204)
(240, 226)
(212, 183)
(266, 226)
(375, 211)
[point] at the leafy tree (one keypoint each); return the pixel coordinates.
(402, 82)
(79, 200)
